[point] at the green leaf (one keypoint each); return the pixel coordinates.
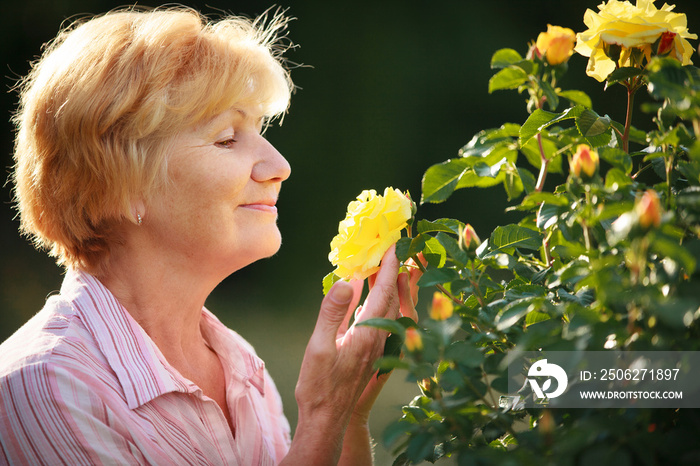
(528, 179)
(535, 317)
(420, 447)
(585, 296)
(328, 282)
(409, 247)
(537, 198)
(452, 248)
(668, 248)
(389, 325)
(550, 95)
(505, 57)
(471, 179)
(440, 180)
(622, 74)
(539, 120)
(511, 314)
(669, 80)
(483, 142)
(617, 158)
(434, 252)
(447, 225)
(616, 178)
(590, 124)
(532, 151)
(508, 78)
(514, 236)
(387, 364)
(464, 353)
(512, 183)
(524, 291)
(595, 128)
(577, 98)
(548, 215)
(437, 276)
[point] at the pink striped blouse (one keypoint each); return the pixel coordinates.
(82, 383)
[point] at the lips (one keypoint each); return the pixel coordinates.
(265, 205)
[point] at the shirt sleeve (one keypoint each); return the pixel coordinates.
(50, 416)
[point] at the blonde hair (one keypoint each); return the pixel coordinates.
(98, 108)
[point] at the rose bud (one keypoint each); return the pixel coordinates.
(429, 387)
(557, 44)
(649, 209)
(413, 340)
(585, 161)
(442, 307)
(469, 240)
(665, 43)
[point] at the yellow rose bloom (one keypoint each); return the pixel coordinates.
(557, 44)
(630, 27)
(372, 224)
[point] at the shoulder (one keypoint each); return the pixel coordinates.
(51, 357)
(37, 339)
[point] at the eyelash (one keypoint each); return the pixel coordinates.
(226, 143)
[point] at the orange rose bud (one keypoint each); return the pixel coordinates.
(442, 307)
(557, 44)
(666, 43)
(584, 162)
(413, 340)
(429, 387)
(469, 239)
(649, 209)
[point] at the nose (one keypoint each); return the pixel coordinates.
(272, 166)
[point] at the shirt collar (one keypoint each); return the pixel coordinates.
(141, 368)
(237, 354)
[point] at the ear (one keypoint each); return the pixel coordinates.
(138, 211)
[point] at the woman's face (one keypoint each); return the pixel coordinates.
(217, 213)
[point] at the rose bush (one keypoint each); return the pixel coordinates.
(602, 257)
(372, 224)
(622, 35)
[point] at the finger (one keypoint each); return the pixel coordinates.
(415, 273)
(334, 309)
(382, 300)
(357, 286)
(407, 308)
(371, 279)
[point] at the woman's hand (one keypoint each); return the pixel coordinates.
(337, 385)
(339, 363)
(408, 298)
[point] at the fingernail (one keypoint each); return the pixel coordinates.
(341, 292)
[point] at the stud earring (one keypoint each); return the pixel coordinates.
(139, 220)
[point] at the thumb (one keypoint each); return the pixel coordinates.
(334, 308)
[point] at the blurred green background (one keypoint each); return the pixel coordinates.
(388, 89)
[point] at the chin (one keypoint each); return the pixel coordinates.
(263, 246)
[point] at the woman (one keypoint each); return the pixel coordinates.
(141, 167)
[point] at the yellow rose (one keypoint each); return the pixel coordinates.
(628, 32)
(372, 224)
(557, 44)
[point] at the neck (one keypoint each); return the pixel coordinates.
(164, 297)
